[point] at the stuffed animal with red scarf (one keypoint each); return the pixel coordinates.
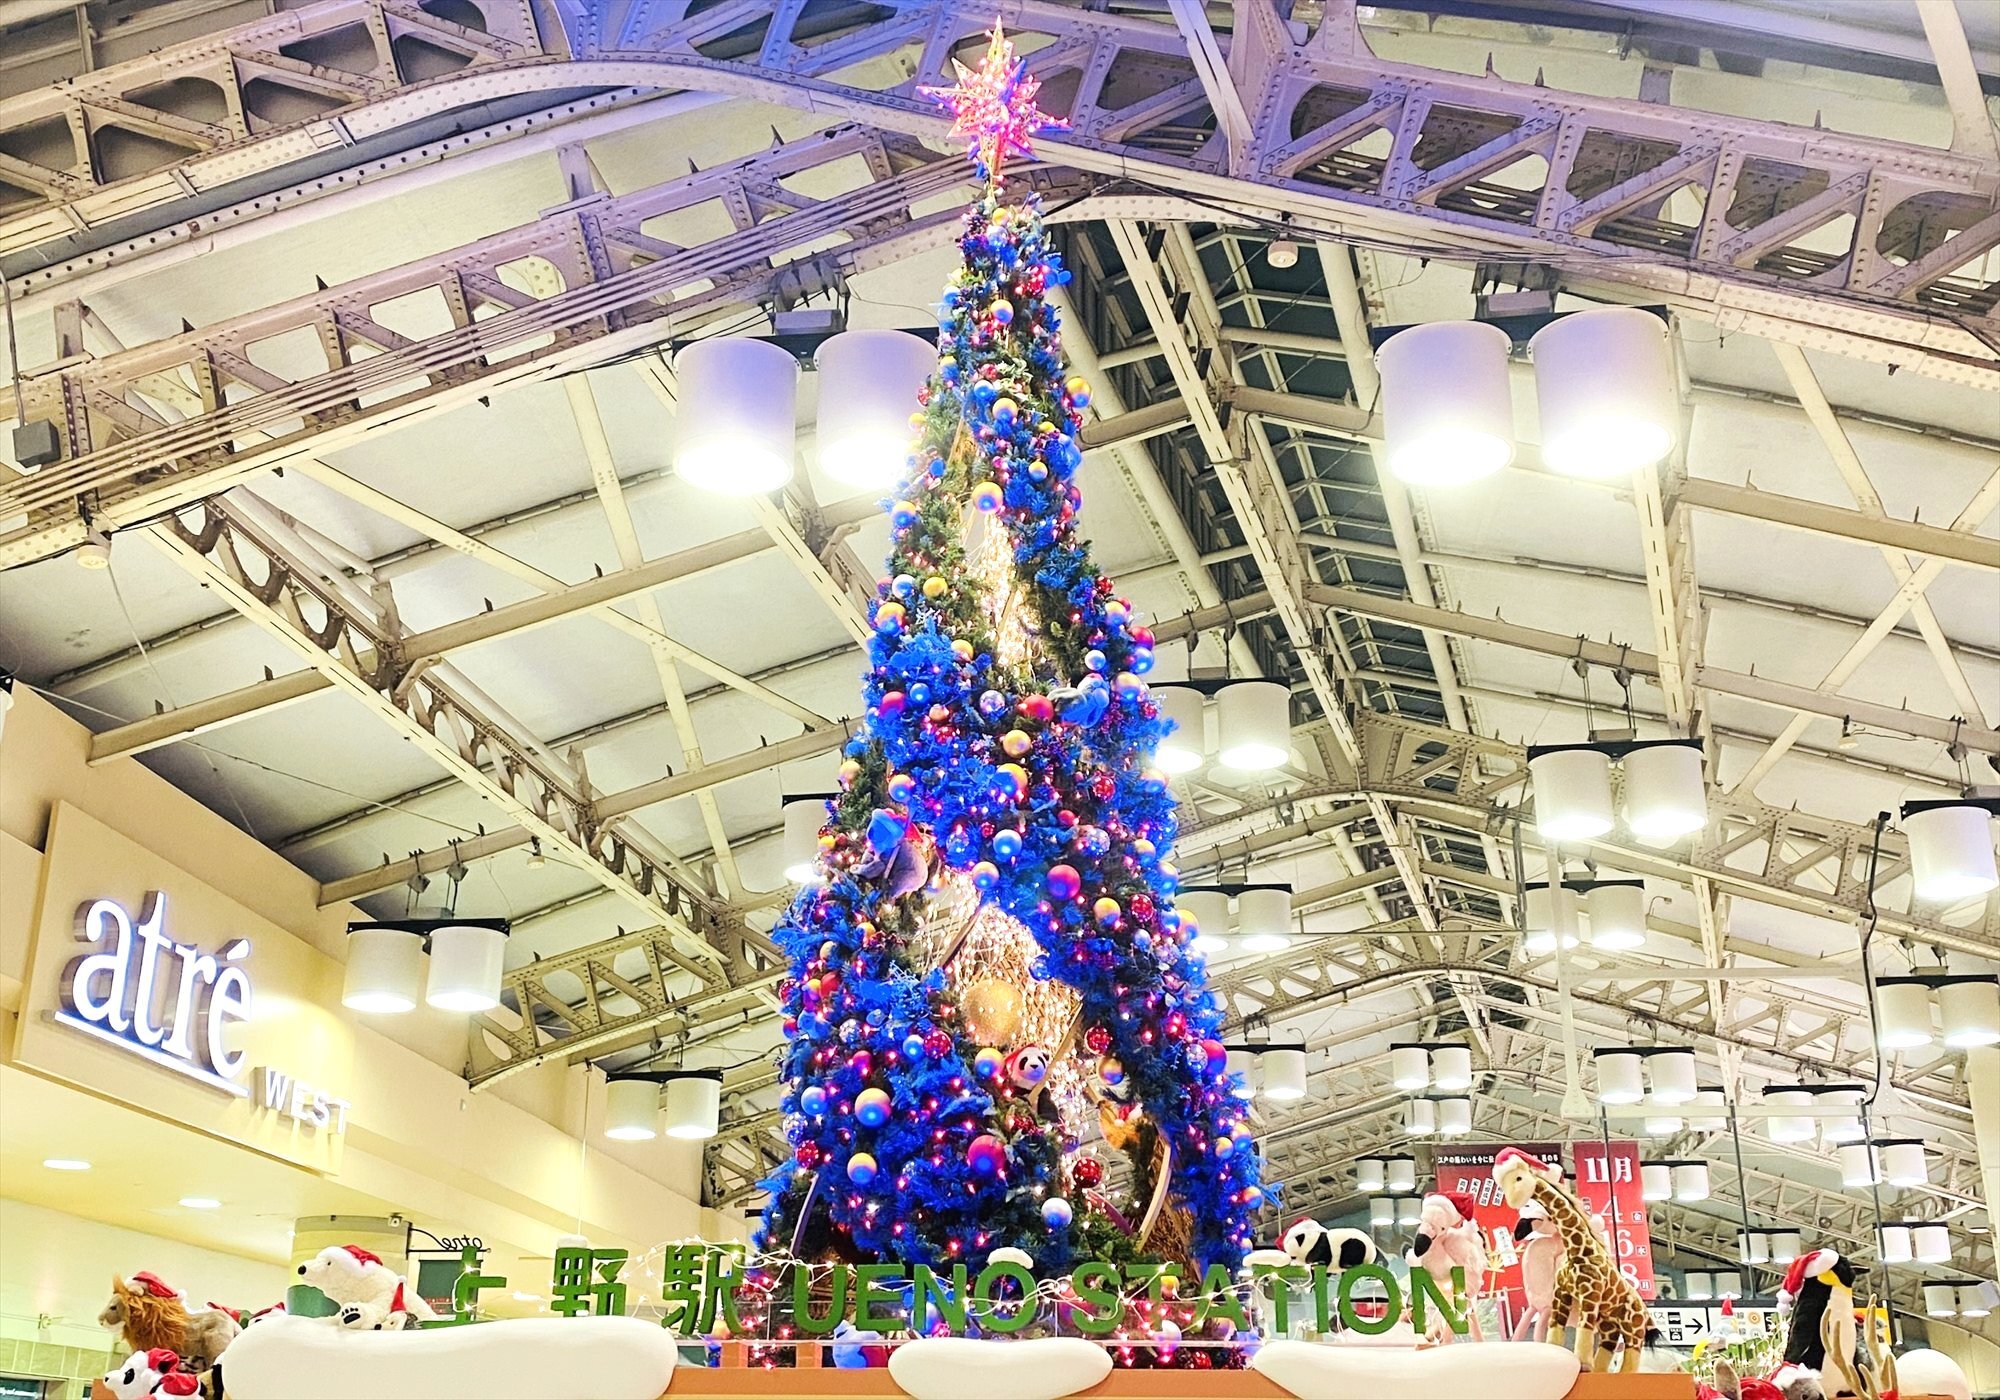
(368, 1295)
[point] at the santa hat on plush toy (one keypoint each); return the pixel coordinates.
(1462, 1202)
(153, 1286)
(362, 1256)
(1811, 1264)
(173, 1380)
(1534, 1163)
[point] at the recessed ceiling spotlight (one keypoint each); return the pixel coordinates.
(66, 1164)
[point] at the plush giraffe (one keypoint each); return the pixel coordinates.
(1610, 1315)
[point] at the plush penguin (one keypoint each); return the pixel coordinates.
(1309, 1242)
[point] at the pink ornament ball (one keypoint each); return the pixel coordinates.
(1217, 1053)
(986, 1154)
(988, 1063)
(902, 788)
(861, 1168)
(1064, 882)
(871, 1107)
(1106, 910)
(985, 876)
(1111, 1070)
(987, 497)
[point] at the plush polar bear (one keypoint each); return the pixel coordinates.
(368, 1294)
(146, 1374)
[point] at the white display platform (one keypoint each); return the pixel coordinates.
(540, 1358)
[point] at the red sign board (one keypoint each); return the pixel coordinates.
(1608, 1184)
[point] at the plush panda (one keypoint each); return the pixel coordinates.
(1309, 1242)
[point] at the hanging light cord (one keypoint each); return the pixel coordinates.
(1870, 917)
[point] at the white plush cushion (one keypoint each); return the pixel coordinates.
(1489, 1370)
(538, 1358)
(959, 1368)
(1925, 1372)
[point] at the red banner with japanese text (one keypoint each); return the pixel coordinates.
(1468, 1167)
(1608, 1184)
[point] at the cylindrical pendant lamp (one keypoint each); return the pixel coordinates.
(631, 1109)
(1672, 1074)
(1447, 409)
(1242, 1065)
(1728, 1284)
(1708, 1111)
(694, 1105)
(1454, 1117)
(739, 417)
(1940, 1300)
(1659, 1124)
(1420, 1118)
(1697, 1286)
(1931, 1243)
(1656, 1181)
(1969, 1007)
(1617, 910)
(1902, 1012)
(1182, 748)
(1690, 1181)
(1264, 919)
(1541, 921)
(1665, 797)
(1409, 1212)
(1975, 1299)
(1857, 1164)
(1368, 1174)
(1451, 1067)
(1784, 1127)
(804, 815)
(1903, 1161)
(1604, 380)
(1209, 908)
(1620, 1077)
(1284, 1074)
(1409, 1067)
(1896, 1244)
(1382, 1213)
(1786, 1245)
(1572, 793)
(868, 386)
(1254, 724)
(1754, 1246)
(466, 963)
(1402, 1174)
(1951, 850)
(385, 970)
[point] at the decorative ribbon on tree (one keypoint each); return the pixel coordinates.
(989, 968)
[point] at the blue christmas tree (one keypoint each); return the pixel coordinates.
(988, 973)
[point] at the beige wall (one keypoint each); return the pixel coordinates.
(60, 1265)
(507, 1164)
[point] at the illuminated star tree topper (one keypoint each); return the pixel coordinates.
(993, 106)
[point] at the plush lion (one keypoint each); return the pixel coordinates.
(150, 1314)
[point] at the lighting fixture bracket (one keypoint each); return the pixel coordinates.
(426, 927)
(1932, 804)
(1615, 749)
(660, 1076)
(1520, 328)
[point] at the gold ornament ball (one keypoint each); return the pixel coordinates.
(992, 1010)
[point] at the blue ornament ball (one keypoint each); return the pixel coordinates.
(913, 1046)
(812, 1100)
(1056, 1213)
(1007, 844)
(992, 703)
